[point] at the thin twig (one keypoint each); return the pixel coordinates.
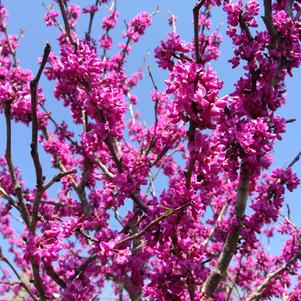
(109, 141)
(104, 169)
(291, 120)
(12, 51)
(218, 220)
(58, 177)
(6, 196)
(152, 77)
(92, 14)
(166, 214)
(295, 160)
(8, 156)
(57, 125)
(137, 235)
(257, 293)
(22, 283)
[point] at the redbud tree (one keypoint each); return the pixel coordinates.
(200, 236)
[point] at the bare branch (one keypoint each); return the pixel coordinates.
(12, 51)
(104, 169)
(66, 23)
(268, 20)
(34, 139)
(196, 11)
(54, 276)
(92, 14)
(218, 220)
(58, 177)
(11, 168)
(229, 248)
(6, 196)
(295, 160)
(37, 280)
(152, 77)
(138, 202)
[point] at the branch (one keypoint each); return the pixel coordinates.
(83, 266)
(256, 295)
(196, 10)
(149, 70)
(54, 276)
(104, 169)
(11, 167)
(295, 160)
(109, 143)
(189, 171)
(166, 214)
(138, 202)
(245, 27)
(60, 166)
(37, 280)
(268, 20)
(160, 155)
(58, 126)
(152, 141)
(66, 23)
(34, 139)
(22, 283)
(6, 196)
(230, 246)
(218, 220)
(158, 172)
(12, 51)
(92, 14)
(81, 188)
(57, 178)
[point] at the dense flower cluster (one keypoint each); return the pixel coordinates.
(160, 210)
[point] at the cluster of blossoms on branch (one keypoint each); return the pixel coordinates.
(194, 239)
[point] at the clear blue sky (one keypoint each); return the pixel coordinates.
(29, 15)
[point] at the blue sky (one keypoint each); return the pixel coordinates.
(29, 15)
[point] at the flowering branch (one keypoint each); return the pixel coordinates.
(166, 214)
